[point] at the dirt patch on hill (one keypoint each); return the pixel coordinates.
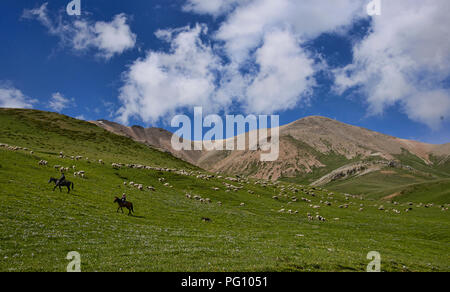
(388, 172)
(394, 195)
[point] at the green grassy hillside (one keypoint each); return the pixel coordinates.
(39, 226)
(438, 192)
(424, 183)
(50, 133)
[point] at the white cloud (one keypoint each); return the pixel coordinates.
(58, 102)
(161, 83)
(285, 75)
(108, 38)
(213, 7)
(404, 61)
(11, 97)
(266, 69)
(430, 107)
(247, 25)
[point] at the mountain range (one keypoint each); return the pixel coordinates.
(313, 150)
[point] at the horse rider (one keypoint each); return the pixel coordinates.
(62, 178)
(124, 198)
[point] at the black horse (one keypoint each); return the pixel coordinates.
(64, 183)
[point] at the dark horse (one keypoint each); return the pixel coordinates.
(64, 183)
(127, 205)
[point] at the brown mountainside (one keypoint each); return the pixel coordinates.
(303, 146)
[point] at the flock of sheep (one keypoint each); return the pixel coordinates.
(15, 148)
(286, 192)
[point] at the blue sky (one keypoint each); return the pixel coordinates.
(227, 56)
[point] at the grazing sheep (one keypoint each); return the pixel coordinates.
(80, 173)
(116, 165)
(43, 162)
(320, 218)
(188, 196)
(242, 204)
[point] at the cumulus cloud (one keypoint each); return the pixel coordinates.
(58, 102)
(161, 82)
(256, 59)
(247, 25)
(285, 75)
(108, 38)
(11, 97)
(213, 7)
(404, 61)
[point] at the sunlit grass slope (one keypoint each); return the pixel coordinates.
(39, 227)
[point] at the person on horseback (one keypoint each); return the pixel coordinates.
(124, 198)
(62, 178)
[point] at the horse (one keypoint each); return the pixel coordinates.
(64, 183)
(125, 204)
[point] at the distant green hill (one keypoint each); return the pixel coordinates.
(254, 224)
(52, 133)
(416, 181)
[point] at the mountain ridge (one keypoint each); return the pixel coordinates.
(306, 145)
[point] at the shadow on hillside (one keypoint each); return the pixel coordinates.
(139, 217)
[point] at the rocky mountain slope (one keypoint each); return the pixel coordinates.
(310, 146)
